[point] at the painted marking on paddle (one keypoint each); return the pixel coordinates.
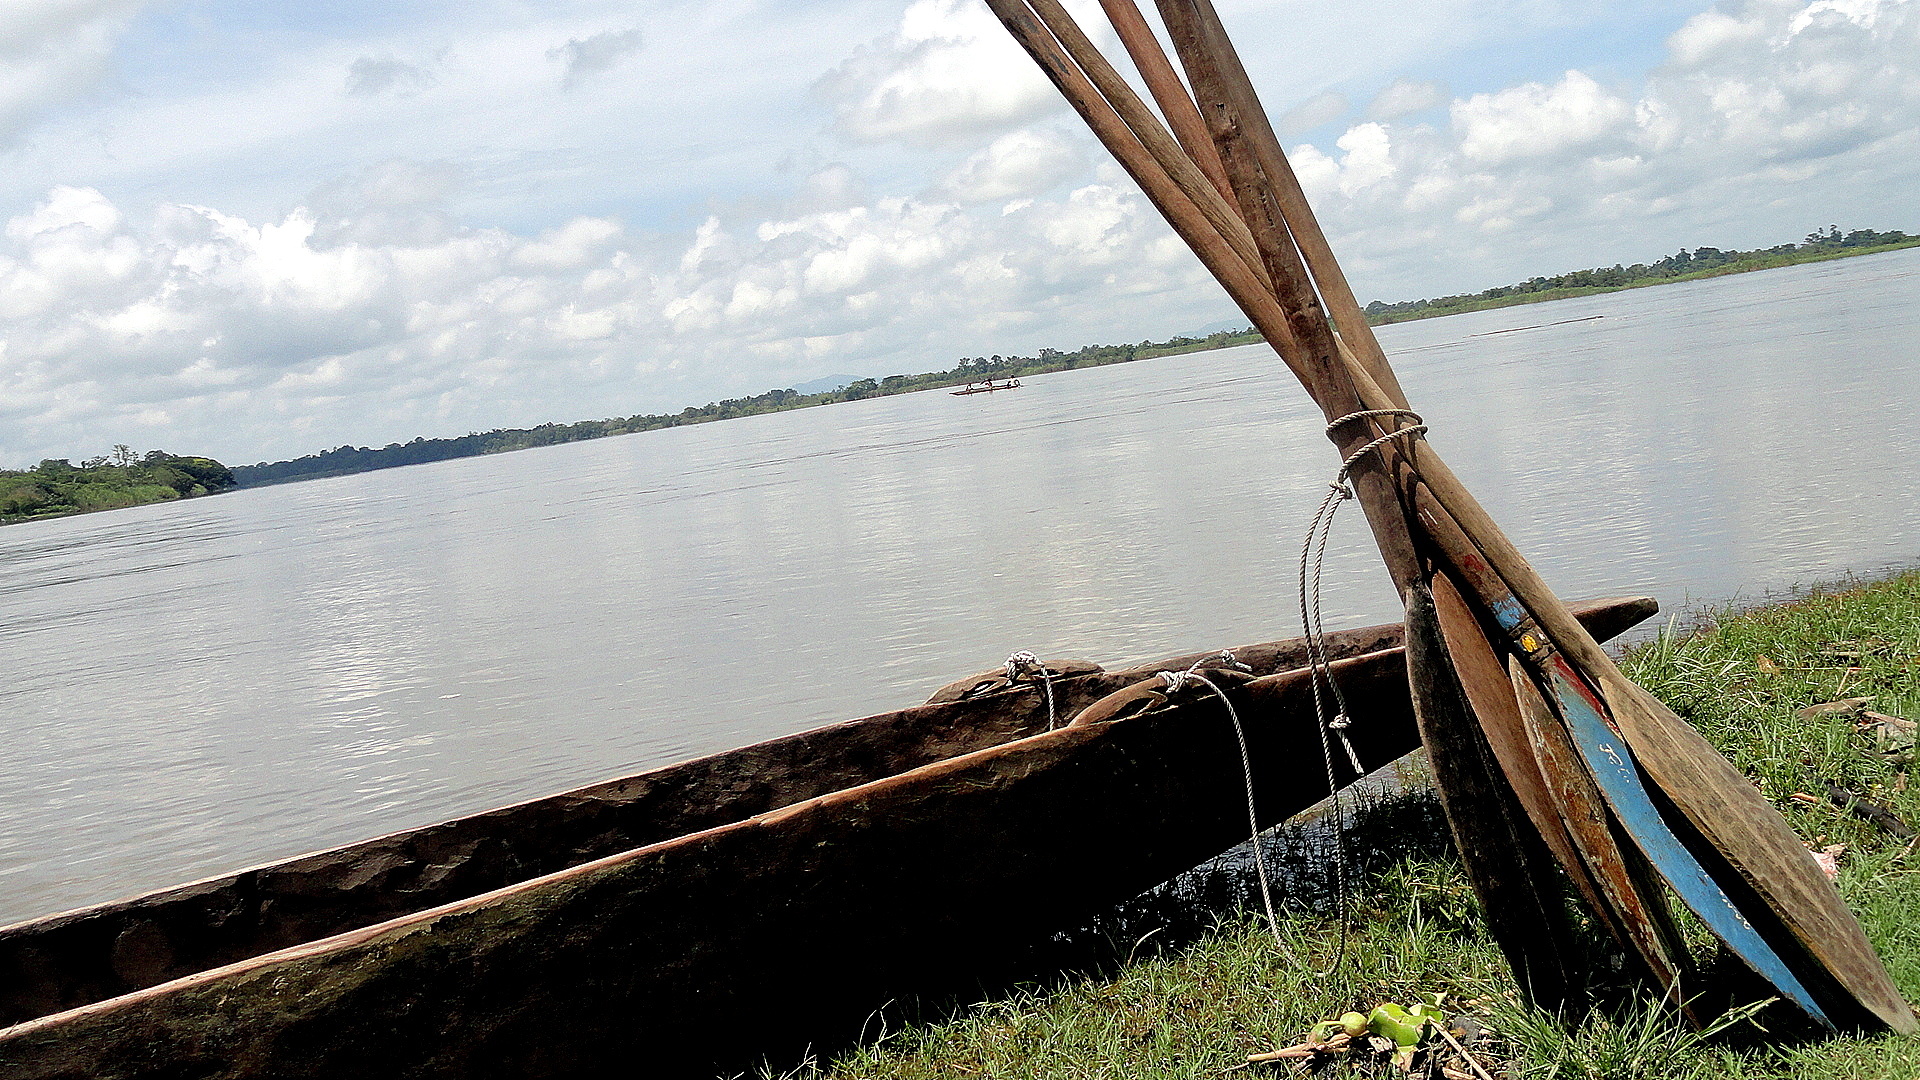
(1598, 742)
(1626, 790)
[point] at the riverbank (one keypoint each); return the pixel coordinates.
(1200, 1010)
(1686, 265)
(58, 488)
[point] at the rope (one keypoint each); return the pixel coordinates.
(1313, 556)
(1177, 681)
(1025, 663)
(1368, 414)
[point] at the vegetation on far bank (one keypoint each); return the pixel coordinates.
(1199, 1010)
(1681, 266)
(57, 487)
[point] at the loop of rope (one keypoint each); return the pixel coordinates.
(1367, 414)
(1313, 556)
(1025, 663)
(1177, 680)
(1346, 467)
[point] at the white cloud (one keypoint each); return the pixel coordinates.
(226, 327)
(1020, 164)
(474, 266)
(1320, 109)
(1368, 158)
(1404, 97)
(576, 244)
(52, 51)
(1767, 117)
(1538, 121)
(588, 56)
(370, 76)
(949, 71)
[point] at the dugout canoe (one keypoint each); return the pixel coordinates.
(675, 921)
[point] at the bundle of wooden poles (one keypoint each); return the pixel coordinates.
(1553, 767)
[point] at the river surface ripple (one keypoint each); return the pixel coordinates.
(197, 686)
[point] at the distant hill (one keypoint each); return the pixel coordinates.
(1216, 326)
(825, 385)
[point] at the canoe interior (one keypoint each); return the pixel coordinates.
(678, 829)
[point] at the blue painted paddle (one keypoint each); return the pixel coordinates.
(1613, 768)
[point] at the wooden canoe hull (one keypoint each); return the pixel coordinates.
(788, 926)
(63, 961)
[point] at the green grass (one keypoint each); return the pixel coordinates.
(1198, 1010)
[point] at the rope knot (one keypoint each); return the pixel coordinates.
(1023, 663)
(1177, 680)
(1340, 722)
(1225, 658)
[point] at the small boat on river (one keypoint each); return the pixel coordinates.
(987, 387)
(693, 916)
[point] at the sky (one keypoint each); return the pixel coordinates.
(255, 231)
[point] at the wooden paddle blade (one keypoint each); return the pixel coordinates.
(1483, 679)
(1556, 792)
(1795, 906)
(1504, 858)
(1614, 769)
(1630, 894)
(1749, 849)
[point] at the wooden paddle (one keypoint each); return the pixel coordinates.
(1759, 848)
(1341, 373)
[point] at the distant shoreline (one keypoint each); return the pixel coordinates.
(348, 460)
(57, 488)
(1686, 265)
(1766, 262)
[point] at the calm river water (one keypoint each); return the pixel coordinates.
(198, 686)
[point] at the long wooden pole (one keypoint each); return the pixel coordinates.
(1536, 943)
(1511, 870)
(1699, 787)
(1176, 104)
(1147, 130)
(1334, 289)
(1237, 273)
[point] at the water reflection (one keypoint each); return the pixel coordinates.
(200, 685)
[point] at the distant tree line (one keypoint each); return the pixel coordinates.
(1700, 262)
(57, 487)
(344, 460)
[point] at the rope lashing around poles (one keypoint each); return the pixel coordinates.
(1315, 552)
(1025, 664)
(1313, 555)
(1179, 680)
